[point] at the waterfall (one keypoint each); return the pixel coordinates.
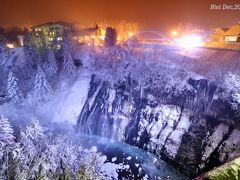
(168, 127)
(70, 99)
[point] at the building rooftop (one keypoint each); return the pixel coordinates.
(224, 29)
(54, 23)
(86, 31)
(233, 31)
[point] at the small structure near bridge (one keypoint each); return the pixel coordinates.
(218, 34)
(233, 34)
(228, 38)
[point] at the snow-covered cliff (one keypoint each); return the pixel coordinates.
(194, 134)
(151, 100)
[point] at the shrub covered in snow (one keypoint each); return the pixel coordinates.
(38, 154)
(232, 85)
(120, 64)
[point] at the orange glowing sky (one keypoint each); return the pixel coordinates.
(150, 14)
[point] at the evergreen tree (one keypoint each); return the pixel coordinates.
(68, 44)
(111, 37)
(4, 52)
(13, 92)
(40, 156)
(69, 68)
(50, 67)
(8, 147)
(30, 49)
(6, 136)
(42, 91)
(3, 41)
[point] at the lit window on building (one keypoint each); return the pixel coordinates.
(102, 37)
(231, 38)
(38, 29)
(59, 38)
(58, 46)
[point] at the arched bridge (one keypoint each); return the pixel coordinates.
(150, 37)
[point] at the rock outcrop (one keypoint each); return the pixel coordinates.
(194, 132)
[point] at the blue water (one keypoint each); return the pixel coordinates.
(141, 162)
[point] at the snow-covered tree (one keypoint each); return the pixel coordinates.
(6, 136)
(69, 68)
(68, 43)
(8, 147)
(13, 91)
(68, 49)
(44, 155)
(3, 51)
(42, 91)
(32, 151)
(50, 66)
(91, 163)
(232, 84)
(30, 49)
(68, 157)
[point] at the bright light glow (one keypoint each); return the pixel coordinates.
(190, 41)
(174, 33)
(130, 34)
(10, 46)
(102, 37)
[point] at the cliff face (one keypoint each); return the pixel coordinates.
(192, 131)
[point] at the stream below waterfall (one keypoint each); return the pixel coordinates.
(138, 163)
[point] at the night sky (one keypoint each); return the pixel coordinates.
(150, 14)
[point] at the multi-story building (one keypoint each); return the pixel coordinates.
(51, 33)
